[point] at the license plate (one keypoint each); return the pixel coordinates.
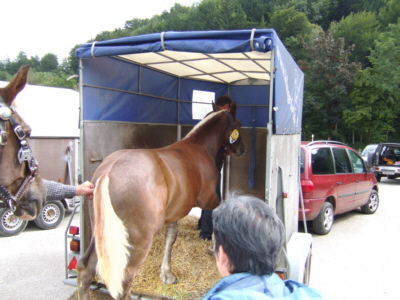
(388, 172)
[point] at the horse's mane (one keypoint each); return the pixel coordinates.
(211, 117)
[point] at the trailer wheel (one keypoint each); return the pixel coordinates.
(322, 224)
(372, 204)
(307, 269)
(10, 224)
(51, 216)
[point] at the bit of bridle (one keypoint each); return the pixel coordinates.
(24, 154)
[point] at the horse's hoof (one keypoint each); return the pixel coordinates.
(168, 278)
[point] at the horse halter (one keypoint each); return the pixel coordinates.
(24, 154)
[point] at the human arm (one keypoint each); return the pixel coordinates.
(59, 191)
(85, 189)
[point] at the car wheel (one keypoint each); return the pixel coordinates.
(372, 204)
(10, 224)
(52, 214)
(322, 224)
(378, 177)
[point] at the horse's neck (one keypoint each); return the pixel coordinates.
(208, 137)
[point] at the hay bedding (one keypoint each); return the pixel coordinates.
(194, 268)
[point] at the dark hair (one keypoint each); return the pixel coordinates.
(223, 100)
(251, 234)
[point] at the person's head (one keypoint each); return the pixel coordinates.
(248, 234)
(223, 102)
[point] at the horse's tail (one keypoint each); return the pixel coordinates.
(111, 239)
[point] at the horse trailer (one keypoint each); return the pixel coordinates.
(149, 91)
(55, 143)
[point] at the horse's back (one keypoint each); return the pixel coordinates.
(165, 181)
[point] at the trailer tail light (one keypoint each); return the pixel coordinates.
(307, 186)
(72, 264)
(75, 245)
(74, 230)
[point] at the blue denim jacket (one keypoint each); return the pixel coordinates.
(248, 286)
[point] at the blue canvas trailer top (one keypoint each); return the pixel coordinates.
(236, 62)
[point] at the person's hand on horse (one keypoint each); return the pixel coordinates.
(85, 189)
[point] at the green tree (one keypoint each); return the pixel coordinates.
(49, 63)
(219, 14)
(136, 23)
(12, 67)
(329, 80)
(257, 11)
(376, 96)
(72, 64)
(109, 35)
(390, 13)
(289, 22)
(342, 8)
(313, 9)
(293, 28)
(367, 5)
(358, 29)
(34, 61)
(178, 18)
(4, 76)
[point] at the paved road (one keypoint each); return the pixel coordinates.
(32, 264)
(359, 259)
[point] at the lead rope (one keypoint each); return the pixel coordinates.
(252, 175)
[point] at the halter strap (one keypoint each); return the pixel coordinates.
(5, 114)
(24, 154)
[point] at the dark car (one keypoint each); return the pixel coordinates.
(385, 161)
(334, 180)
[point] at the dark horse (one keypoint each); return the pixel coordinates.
(138, 191)
(21, 188)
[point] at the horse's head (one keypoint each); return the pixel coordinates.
(234, 143)
(21, 188)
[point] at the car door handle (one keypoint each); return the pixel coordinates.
(357, 181)
(338, 183)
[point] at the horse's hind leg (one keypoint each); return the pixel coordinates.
(86, 271)
(166, 275)
(138, 255)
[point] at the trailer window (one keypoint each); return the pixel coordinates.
(201, 104)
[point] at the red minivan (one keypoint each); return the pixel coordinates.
(334, 180)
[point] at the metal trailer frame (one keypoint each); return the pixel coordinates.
(282, 142)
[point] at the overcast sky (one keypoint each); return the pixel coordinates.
(38, 27)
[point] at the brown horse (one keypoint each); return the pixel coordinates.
(138, 191)
(21, 188)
